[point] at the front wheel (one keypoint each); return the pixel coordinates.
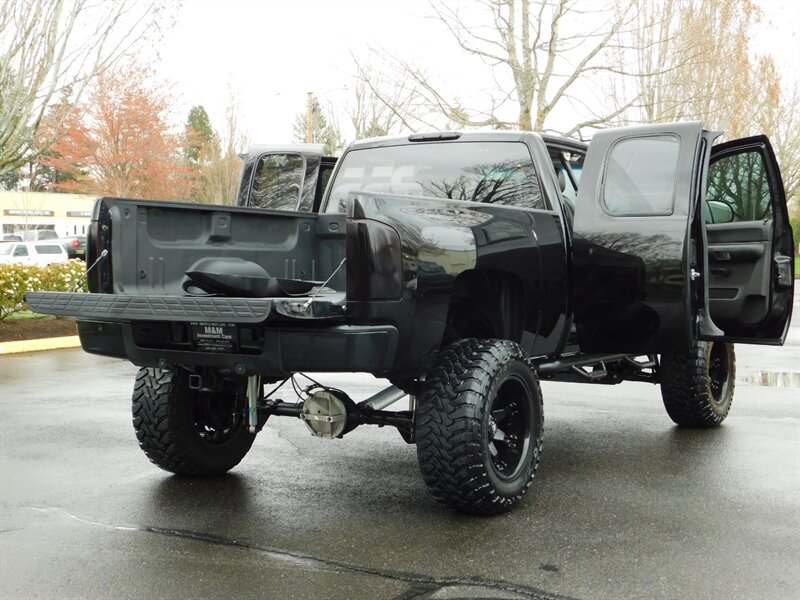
(697, 387)
(187, 431)
(479, 426)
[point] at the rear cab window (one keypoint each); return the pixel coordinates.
(488, 172)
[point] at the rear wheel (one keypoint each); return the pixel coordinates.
(186, 431)
(697, 387)
(479, 426)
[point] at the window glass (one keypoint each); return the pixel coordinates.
(48, 249)
(489, 172)
(21, 251)
(640, 176)
(278, 181)
(563, 168)
(738, 182)
(5, 249)
(575, 164)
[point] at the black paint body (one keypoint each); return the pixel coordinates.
(418, 273)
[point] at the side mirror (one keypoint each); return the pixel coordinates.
(719, 212)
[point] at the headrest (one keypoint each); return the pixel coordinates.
(562, 180)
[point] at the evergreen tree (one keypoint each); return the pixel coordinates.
(321, 131)
(199, 133)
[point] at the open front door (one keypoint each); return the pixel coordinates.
(283, 177)
(750, 247)
(632, 254)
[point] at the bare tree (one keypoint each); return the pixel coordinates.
(54, 48)
(693, 61)
(218, 169)
(382, 104)
(778, 115)
(536, 54)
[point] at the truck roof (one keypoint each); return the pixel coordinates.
(471, 136)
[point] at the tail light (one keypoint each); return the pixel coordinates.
(374, 263)
(75, 244)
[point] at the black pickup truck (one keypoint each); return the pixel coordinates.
(464, 268)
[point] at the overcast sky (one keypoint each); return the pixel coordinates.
(271, 53)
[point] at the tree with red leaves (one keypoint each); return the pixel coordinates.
(119, 142)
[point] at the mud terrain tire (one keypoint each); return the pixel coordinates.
(184, 431)
(479, 426)
(697, 387)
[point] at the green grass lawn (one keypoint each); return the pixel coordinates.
(25, 314)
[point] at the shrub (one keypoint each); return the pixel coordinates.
(17, 279)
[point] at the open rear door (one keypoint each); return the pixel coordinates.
(750, 247)
(633, 257)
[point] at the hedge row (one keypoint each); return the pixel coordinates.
(16, 279)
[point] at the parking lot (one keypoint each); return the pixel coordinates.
(625, 505)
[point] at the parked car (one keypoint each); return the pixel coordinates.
(32, 253)
(75, 246)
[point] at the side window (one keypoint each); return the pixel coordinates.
(323, 176)
(565, 171)
(47, 249)
(21, 251)
(575, 160)
(640, 176)
(738, 189)
(278, 181)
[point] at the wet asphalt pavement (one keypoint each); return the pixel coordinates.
(625, 505)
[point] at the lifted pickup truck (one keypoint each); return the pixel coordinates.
(462, 267)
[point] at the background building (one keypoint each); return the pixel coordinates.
(66, 214)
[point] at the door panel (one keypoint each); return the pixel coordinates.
(739, 272)
(631, 252)
(750, 254)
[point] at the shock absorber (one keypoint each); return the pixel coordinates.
(253, 392)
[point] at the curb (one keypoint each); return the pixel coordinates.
(71, 341)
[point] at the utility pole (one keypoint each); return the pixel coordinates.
(310, 118)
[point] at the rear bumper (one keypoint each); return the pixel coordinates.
(156, 331)
(278, 352)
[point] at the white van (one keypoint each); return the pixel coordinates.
(32, 253)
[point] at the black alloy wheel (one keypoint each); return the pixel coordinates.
(719, 380)
(509, 428)
(479, 426)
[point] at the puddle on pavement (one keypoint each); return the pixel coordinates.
(774, 378)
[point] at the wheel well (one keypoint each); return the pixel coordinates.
(485, 304)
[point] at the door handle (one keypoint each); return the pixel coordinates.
(783, 271)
